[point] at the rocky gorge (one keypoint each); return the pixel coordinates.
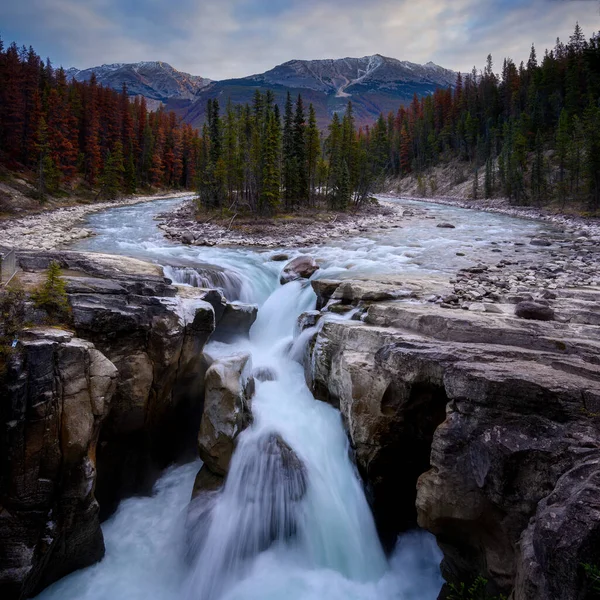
(469, 396)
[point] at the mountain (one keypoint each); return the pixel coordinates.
(157, 81)
(374, 84)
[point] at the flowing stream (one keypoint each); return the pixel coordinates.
(273, 532)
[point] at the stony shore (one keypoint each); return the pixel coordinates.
(55, 228)
(501, 206)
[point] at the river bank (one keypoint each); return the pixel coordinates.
(54, 228)
(501, 206)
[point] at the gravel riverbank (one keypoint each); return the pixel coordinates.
(55, 228)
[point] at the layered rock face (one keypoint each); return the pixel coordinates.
(56, 392)
(487, 423)
(154, 333)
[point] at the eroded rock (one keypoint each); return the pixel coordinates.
(227, 411)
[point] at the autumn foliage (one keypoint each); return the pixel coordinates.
(71, 133)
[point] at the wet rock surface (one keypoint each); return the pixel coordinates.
(301, 267)
(227, 410)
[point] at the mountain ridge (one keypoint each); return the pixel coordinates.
(374, 83)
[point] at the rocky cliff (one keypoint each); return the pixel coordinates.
(56, 394)
(480, 426)
(94, 413)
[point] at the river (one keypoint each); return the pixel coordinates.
(334, 551)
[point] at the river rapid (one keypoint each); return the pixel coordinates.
(323, 542)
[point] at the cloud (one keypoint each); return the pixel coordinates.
(234, 38)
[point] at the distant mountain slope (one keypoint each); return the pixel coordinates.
(374, 84)
(153, 80)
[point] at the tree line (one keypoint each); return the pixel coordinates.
(254, 158)
(71, 133)
(531, 133)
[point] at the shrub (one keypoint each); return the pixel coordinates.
(52, 296)
(592, 573)
(12, 317)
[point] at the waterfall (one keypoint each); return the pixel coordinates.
(232, 284)
(291, 521)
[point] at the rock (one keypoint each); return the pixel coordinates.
(236, 321)
(540, 242)
(272, 473)
(187, 238)
(308, 320)
(279, 257)
(228, 386)
(534, 310)
(207, 482)
(352, 292)
(446, 226)
(156, 343)
(56, 393)
(301, 267)
(324, 289)
(492, 308)
(264, 374)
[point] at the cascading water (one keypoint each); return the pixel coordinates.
(233, 285)
(292, 491)
(291, 521)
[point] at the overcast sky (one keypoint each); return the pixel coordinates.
(234, 38)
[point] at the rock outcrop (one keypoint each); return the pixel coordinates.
(154, 333)
(57, 391)
(495, 417)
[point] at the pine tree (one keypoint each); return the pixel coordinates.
(538, 174)
(271, 176)
(313, 152)
(289, 161)
(299, 152)
(111, 182)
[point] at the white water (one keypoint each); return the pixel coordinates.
(271, 535)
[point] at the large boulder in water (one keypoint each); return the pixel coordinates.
(228, 391)
(302, 267)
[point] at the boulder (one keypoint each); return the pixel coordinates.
(540, 242)
(279, 257)
(236, 321)
(534, 310)
(56, 392)
(264, 374)
(301, 267)
(228, 390)
(446, 226)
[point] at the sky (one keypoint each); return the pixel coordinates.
(221, 39)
